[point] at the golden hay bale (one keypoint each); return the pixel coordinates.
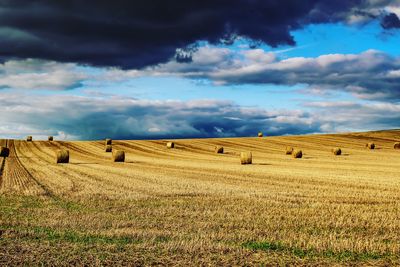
(396, 145)
(336, 151)
(289, 150)
(170, 145)
(62, 156)
(219, 149)
(118, 156)
(108, 142)
(246, 158)
(370, 145)
(29, 138)
(297, 154)
(260, 134)
(50, 138)
(4, 152)
(108, 148)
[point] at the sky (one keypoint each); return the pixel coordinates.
(197, 69)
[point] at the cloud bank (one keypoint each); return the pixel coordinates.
(84, 118)
(78, 117)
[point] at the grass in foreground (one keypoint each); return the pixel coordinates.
(193, 230)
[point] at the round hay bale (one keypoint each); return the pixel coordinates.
(118, 156)
(50, 138)
(370, 145)
(29, 138)
(260, 134)
(62, 156)
(246, 158)
(108, 142)
(289, 150)
(108, 148)
(396, 145)
(297, 154)
(219, 149)
(4, 152)
(170, 145)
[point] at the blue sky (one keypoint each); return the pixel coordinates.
(333, 69)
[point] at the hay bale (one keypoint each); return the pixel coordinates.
(219, 149)
(246, 158)
(170, 145)
(370, 146)
(62, 156)
(336, 151)
(396, 145)
(29, 138)
(4, 152)
(260, 134)
(108, 148)
(108, 142)
(297, 154)
(50, 138)
(289, 150)
(118, 156)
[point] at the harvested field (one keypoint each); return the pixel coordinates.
(191, 206)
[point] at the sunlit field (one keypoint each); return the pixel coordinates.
(191, 206)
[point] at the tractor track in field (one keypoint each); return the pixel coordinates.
(18, 177)
(86, 153)
(3, 163)
(76, 174)
(43, 156)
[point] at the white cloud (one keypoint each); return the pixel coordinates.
(154, 130)
(393, 74)
(348, 116)
(372, 9)
(394, 9)
(39, 74)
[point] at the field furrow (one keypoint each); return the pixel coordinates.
(16, 178)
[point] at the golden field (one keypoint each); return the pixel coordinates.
(190, 206)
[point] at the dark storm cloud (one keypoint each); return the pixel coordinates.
(390, 21)
(134, 34)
